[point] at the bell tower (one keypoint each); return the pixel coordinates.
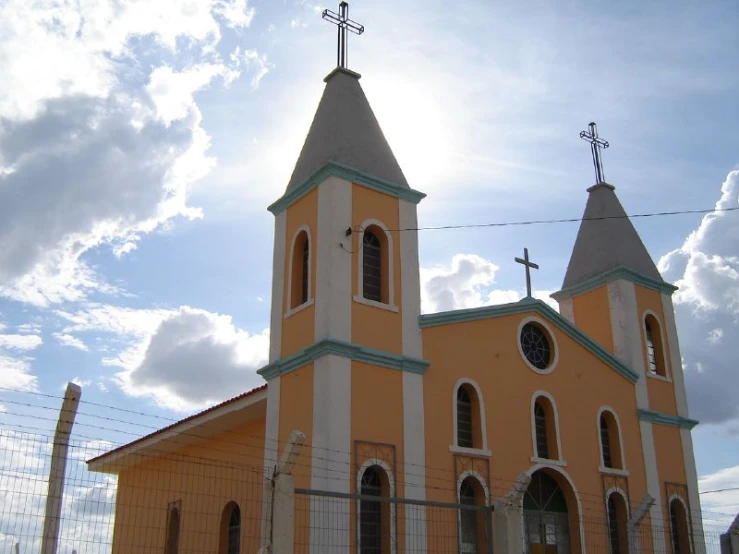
(614, 293)
(345, 310)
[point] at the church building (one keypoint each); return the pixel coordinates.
(506, 428)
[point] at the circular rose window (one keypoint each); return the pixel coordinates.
(536, 346)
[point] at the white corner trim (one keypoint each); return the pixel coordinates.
(390, 262)
(300, 308)
(663, 344)
(554, 346)
(481, 415)
(619, 491)
(549, 397)
(475, 452)
(410, 280)
(278, 287)
(620, 443)
(375, 304)
(296, 234)
(570, 482)
(479, 478)
(656, 377)
(391, 492)
(676, 365)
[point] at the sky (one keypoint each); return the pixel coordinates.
(141, 141)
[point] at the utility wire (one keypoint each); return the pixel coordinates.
(567, 220)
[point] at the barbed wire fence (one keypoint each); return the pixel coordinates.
(135, 510)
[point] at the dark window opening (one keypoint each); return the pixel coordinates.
(542, 441)
(464, 418)
(371, 267)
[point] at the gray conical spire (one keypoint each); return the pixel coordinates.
(345, 130)
(605, 244)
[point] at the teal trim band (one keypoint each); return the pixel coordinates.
(612, 275)
(666, 419)
(348, 350)
(350, 174)
(529, 305)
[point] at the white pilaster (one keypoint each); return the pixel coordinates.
(278, 286)
(678, 382)
(567, 310)
(334, 263)
(627, 344)
(414, 428)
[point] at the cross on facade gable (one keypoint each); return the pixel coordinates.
(525, 261)
(342, 21)
(596, 143)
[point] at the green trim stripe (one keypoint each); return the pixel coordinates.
(612, 275)
(348, 350)
(350, 174)
(529, 305)
(666, 419)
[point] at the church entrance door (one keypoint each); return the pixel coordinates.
(546, 521)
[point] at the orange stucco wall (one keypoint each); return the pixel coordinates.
(591, 316)
(204, 478)
(668, 446)
(298, 328)
(296, 412)
(373, 326)
(486, 352)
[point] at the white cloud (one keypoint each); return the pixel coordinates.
(82, 383)
(15, 374)
(716, 506)
(467, 283)
(183, 359)
(237, 13)
(20, 342)
(256, 63)
(706, 270)
(70, 340)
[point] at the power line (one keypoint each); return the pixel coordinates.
(566, 220)
(720, 490)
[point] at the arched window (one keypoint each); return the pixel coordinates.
(610, 440)
(173, 532)
(464, 418)
(300, 270)
(230, 535)
(617, 518)
(374, 516)
(655, 351)
(372, 266)
(542, 439)
(545, 432)
(472, 531)
(679, 531)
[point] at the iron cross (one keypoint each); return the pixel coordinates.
(596, 143)
(342, 21)
(528, 266)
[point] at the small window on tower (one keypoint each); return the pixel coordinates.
(299, 291)
(655, 352)
(372, 266)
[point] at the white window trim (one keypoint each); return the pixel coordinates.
(688, 522)
(554, 346)
(300, 308)
(602, 467)
(533, 469)
(454, 447)
(288, 310)
(390, 267)
(535, 456)
(391, 492)
(622, 493)
(668, 367)
(477, 477)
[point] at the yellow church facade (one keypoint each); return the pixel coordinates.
(511, 428)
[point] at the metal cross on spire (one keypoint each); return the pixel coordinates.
(342, 21)
(528, 266)
(596, 143)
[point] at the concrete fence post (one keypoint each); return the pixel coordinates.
(508, 534)
(636, 520)
(52, 515)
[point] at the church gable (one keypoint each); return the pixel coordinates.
(537, 308)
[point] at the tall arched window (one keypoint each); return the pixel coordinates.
(230, 535)
(544, 427)
(372, 269)
(374, 516)
(610, 440)
(173, 532)
(542, 438)
(655, 351)
(471, 520)
(679, 531)
(617, 518)
(300, 270)
(464, 418)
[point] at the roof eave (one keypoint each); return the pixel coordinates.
(615, 274)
